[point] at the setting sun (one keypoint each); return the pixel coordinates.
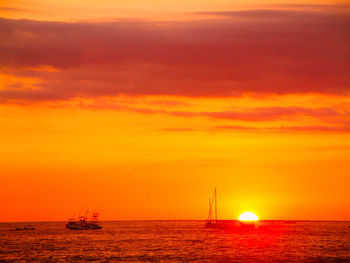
(248, 216)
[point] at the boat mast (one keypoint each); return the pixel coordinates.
(216, 210)
(209, 215)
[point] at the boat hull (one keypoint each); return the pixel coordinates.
(228, 225)
(88, 226)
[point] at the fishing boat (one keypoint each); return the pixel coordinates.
(82, 223)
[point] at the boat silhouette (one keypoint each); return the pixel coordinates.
(212, 220)
(82, 223)
(27, 227)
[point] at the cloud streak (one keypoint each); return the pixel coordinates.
(293, 129)
(323, 116)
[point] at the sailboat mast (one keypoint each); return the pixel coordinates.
(209, 215)
(216, 209)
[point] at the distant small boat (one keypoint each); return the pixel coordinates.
(83, 224)
(28, 227)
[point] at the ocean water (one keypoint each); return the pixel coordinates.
(177, 241)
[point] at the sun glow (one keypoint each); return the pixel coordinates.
(248, 216)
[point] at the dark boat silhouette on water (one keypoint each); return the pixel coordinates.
(27, 227)
(83, 224)
(212, 222)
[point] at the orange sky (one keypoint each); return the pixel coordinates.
(139, 110)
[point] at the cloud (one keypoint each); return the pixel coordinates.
(259, 51)
(9, 9)
(338, 117)
(320, 128)
(6, 8)
(269, 129)
(272, 113)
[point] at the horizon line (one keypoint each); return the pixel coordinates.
(150, 220)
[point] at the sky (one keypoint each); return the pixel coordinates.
(139, 109)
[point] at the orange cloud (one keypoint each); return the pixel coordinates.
(261, 51)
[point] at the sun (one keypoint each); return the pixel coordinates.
(248, 216)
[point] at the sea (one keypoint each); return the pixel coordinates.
(177, 241)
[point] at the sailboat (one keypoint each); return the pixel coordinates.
(212, 220)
